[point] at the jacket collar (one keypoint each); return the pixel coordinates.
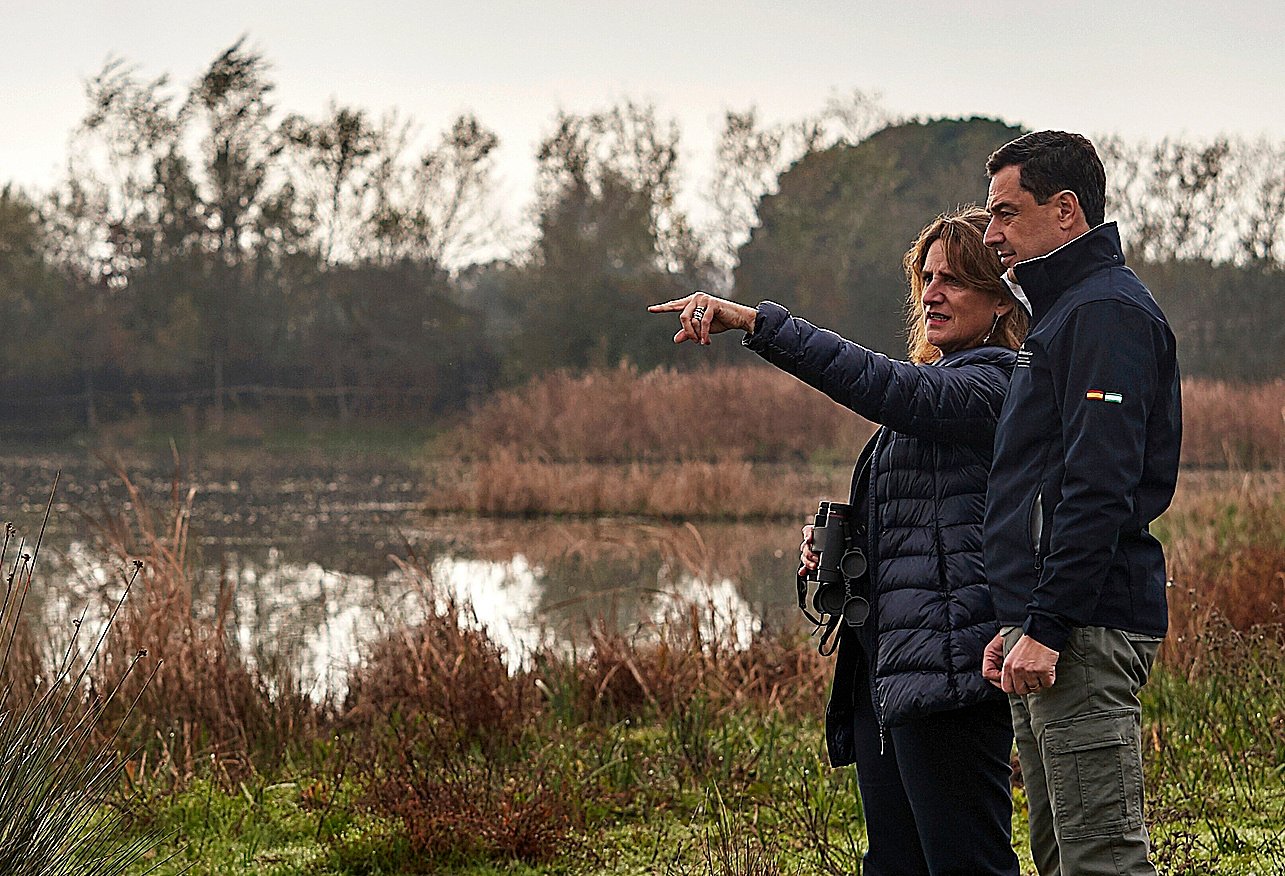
(1043, 279)
(990, 353)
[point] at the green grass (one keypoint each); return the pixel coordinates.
(401, 440)
(749, 792)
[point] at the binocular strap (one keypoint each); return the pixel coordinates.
(829, 641)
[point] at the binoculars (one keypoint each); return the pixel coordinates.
(840, 575)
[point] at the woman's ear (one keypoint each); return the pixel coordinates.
(1004, 306)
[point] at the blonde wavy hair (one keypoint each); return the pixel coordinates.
(961, 233)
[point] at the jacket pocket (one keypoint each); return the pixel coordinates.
(1035, 526)
(1095, 774)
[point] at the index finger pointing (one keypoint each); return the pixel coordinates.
(676, 304)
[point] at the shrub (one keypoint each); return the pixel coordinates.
(58, 766)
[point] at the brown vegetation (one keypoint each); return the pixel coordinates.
(445, 667)
(204, 699)
(726, 442)
(470, 755)
(1233, 424)
(504, 483)
(739, 442)
(1224, 539)
(624, 416)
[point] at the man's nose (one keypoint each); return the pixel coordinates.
(993, 236)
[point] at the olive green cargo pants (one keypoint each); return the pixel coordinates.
(1080, 747)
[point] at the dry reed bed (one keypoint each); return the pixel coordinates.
(625, 416)
(739, 442)
(1233, 424)
(1224, 539)
(506, 484)
(444, 669)
(205, 703)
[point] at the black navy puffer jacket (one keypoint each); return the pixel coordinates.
(932, 613)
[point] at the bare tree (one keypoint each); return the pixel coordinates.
(239, 148)
(747, 164)
(1217, 201)
(751, 156)
(113, 192)
(331, 159)
(627, 146)
(1261, 238)
(439, 207)
(851, 117)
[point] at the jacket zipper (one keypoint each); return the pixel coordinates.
(879, 717)
(878, 699)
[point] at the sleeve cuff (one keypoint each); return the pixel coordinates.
(1048, 631)
(767, 320)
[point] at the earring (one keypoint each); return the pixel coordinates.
(994, 325)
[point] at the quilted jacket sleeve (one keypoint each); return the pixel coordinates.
(958, 402)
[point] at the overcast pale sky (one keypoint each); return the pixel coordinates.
(1135, 68)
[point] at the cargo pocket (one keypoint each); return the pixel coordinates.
(1095, 774)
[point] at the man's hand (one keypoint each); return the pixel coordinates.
(1029, 668)
(993, 660)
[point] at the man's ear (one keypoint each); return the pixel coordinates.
(1069, 213)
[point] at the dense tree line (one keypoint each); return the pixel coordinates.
(205, 246)
(1204, 226)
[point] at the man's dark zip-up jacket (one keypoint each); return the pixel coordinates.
(926, 485)
(1086, 451)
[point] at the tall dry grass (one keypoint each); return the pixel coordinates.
(446, 669)
(472, 758)
(1233, 424)
(59, 765)
(206, 702)
(743, 442)
(507, 483)
(745, 413)
(737, 443)
(1224, 540)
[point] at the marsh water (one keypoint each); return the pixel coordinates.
(322, 555)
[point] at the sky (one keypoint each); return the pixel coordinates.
(1143, 70)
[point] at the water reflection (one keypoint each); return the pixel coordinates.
(319, 557)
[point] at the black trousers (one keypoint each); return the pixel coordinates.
(936, 798)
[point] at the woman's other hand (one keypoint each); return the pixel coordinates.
(807, 560)
(993, 661)
(703, 315)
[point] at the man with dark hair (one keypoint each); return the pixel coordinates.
(1086, 456)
